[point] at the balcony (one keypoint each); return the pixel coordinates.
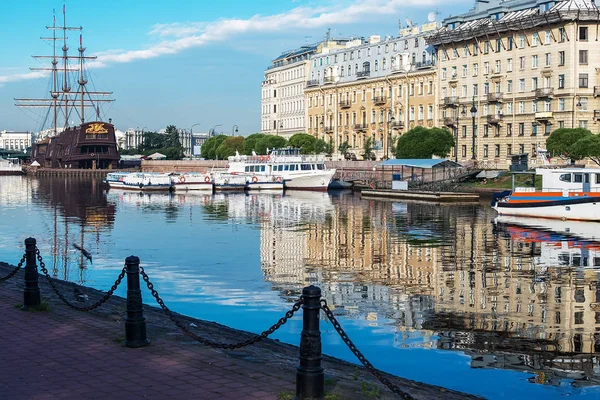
(451, 101)
(345, 104)
(543, 116)
(494, 119)
(379, 100)
(328, 129)
(329, 79)
(596, 91)
(397, 125)
(360, 127)
(494, 97)
(312, 82)
(597, 115)
(450, 121)
(399, 68)
(363, 74)
(424, 64)
(544, 93)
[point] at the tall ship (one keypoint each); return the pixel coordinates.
(91, 144)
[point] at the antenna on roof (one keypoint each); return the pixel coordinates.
(409, 23)
(399, 24)
(328, 34)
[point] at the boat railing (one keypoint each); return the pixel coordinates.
(278, 158)
(524, 189)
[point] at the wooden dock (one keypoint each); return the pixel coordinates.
(99, 173)
(436, 197)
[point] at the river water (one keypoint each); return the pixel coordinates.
(435, 293)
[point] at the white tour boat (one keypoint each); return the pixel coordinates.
(141, 181)
(229, 182)
(567, 193)
(192, 181)
(10, 167)
(306, 172)
(264, 182)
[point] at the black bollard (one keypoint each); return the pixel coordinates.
(135, 323)
(310, 378)
(31, 294)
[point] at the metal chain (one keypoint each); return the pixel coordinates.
(14, 271)
(64, 299)
(229, 346)
(376, 373)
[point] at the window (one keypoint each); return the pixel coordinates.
(444, 74)
(454, 73)
(522, 41)
(486, 130)
(486, 88)
(522, 85)
(521, 129)
(583, 104)
(509, 132)
(535, 39)
(534, 128)
(521, 62)
(548, 105)
(509, 108)
(561, 81)
(486, 68)
(548, 59)
(464, 134)
(521, 148)
(485, 150)
(498, 45)
(521, 107)
(464, 150)
(509, 86)
(498, 66)
(475, 69)
(475, 89)
(583, 57)
(583, 124)
(583, 33)
(497, 151)
(561, 104)
(464, 91)
(510, 43)
(561, 58)
(547, 128)
(486, 47)
(534, 61)
(548, 37)
(583, 80)
(465, 50)
(465, 71)
(509, 65)
(475, 49)
(509, 149)
(534, 106)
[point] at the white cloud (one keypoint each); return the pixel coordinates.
(179, 36)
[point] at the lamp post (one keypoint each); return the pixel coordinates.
(389, 138)
(473, 115)
(212, 131)
(234, 129)
(278, 127)
(463, 114)
(578, 105)
(192, 128)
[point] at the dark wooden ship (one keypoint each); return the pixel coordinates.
(91, 144)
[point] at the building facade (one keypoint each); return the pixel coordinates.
(15, 140)
(371, 91)
(525, 68)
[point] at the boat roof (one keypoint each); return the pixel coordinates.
(421, 163)
(565, 170)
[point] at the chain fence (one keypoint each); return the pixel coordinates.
(64, 299)
(229, 346)
(14, 271)
(376, 373)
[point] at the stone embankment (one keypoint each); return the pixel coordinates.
(61, 353)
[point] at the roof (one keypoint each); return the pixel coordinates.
(156, 155)
(421, 163)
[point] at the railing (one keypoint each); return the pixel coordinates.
(329, 79)
(544, 92)
(450, 121)
(494, 119)
(424, 64)
(345, 103)
(310, 375)
(398, 124)
(360, 127)
(328, 129)
(378, 100)
(451, 101)
(363, 74)
(312, 82)
(494, 97)
(543, 116)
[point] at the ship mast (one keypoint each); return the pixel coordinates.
(66, 88)
(82, 81)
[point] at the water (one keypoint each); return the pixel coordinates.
(438, 294)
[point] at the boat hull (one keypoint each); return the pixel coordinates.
(582, 230)
(272, 186)
(574, 209)
(317, 181)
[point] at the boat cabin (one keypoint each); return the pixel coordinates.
(572, 179)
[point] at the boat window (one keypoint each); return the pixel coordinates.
(293, 167)
(586, 178)
(320, 166)
(247, 169)
(287, 167)
(305, 167)
(578, 178)
(596, 259)
(597, 178)
(565, 178)
(262, 168)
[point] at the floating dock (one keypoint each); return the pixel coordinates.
(437, 197)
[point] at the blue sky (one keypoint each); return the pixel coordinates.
(184, 62)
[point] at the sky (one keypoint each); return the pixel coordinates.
(182, 62)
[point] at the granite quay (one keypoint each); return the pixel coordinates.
(85, 354)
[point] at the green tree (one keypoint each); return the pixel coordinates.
(588, 146)
(304, 142)
(269, 142)
(368, 148)
(561, 142)
(209, 148)
(229, 146)
(320, 146)
(250, 143)
(343, 148)
(421, 142)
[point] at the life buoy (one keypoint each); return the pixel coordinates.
(182, 179)
(262, 158)
(278, 179)
(372, 185)
(268, 158)
(254, 179)
(207, 179)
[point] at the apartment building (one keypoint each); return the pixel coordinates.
(511, 72)
(373, 89)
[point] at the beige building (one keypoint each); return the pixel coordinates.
(10, 140)
(527, 67)
(372, 89)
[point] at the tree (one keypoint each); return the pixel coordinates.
(560, 143)
(209, 148)
(303, 141)
(269, 142)
(368, 148)
(588, 146)
(250, 143)
(421, 142)
(229, 146)
(320, 146)
(343, 147)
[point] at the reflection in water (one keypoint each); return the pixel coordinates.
(415, 284)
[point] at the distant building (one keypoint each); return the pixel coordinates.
(10, 140)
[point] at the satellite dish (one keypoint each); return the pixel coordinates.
(432, 16)
(409, 22)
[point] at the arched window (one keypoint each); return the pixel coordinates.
(342, 71)
(424, 57)
(366, 66)
(355, 68)
(376, 65)
(359, 54)
(383, 64)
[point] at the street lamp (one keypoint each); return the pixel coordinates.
(389, 141)
(192, 128)
(278, 127)
(234, 129)
(212, 131)
(463, 114)
(473, 115)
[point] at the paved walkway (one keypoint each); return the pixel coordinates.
(64, 354)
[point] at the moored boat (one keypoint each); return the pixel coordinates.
(568, 194)
(229, 182)
(10, 167)
(300, 172)
(265, 182)
(192, 181)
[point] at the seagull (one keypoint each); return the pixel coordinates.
(85, 253)
(79, 295)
